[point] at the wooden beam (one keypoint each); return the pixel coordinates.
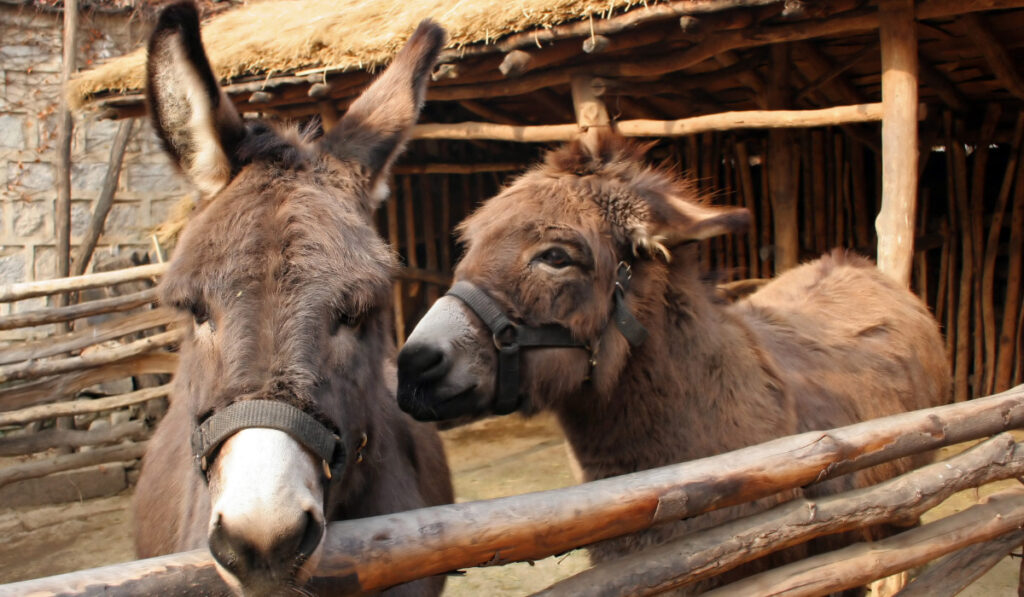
(491, 114)
(66, 462)
(24, 290)
(65, 132)
(363, 555)
(64, 387)
(954, 573)
(823, 73)
(89, 360)
(77, 311)
(945, 89)
(439, 168)
(999, 60)
(862, 563)
(105, 200)
(722, 40)
(591, 113)
(725, 121)
(41, 441)
(89, 336)
(783, 168)
(895, 222)
(716, 550)
(81, 407)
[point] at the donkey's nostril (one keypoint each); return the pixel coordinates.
(230, 551)
(312, 534)
(422, 362)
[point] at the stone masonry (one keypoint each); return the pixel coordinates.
(30, 64)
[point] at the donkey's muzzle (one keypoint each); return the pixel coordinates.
(265, 569)
(422, 366)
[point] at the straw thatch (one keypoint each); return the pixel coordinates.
(277, 36)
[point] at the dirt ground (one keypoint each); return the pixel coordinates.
(491, 458)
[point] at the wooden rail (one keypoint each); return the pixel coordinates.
(375, 553)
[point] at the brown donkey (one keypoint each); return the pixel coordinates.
(580, 293)
(282, 416)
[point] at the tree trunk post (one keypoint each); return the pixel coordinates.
(783, 164)
(895, 222)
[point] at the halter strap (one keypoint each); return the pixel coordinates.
(268, 414)
(509, 337)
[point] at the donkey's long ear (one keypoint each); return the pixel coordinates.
(377, 125)
(194, 118)
(676, 220)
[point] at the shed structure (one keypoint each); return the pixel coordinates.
(892, 127)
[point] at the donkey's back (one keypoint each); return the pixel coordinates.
(848, 343)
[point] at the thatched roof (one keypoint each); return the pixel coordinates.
(272, 37)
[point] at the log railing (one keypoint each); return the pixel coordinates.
(375, 553)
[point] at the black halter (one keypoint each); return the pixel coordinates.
(509, 337)
(269, 414)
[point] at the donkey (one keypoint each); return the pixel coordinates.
(579, 293)
(282, 415)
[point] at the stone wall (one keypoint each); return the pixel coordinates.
(30, 64)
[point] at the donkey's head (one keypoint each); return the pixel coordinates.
(287, 288)
(559, 272)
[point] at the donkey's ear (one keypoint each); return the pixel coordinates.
(378, 123)
(194, 118)
(677, 221)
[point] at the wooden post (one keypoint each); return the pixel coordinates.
(62, 207)
(782, 175)
(105, 200)
(895, 222)
(591, 114)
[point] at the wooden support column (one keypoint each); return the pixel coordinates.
(62, 207)
(895, 222)
(591, 113)
(782, 168)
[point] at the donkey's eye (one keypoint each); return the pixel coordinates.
(348, 320)
(200, 312)
(555, 257)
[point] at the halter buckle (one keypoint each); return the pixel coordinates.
(507, 337)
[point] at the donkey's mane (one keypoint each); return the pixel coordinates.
(613, 173)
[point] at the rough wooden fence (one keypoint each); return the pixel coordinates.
(73, 377)
(375, 553)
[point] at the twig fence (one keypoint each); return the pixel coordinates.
(374, 553)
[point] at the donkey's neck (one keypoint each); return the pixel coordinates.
(699, 385)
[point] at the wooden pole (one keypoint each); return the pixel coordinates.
(77, 311)
(81, 407)
(954, 573)
(724, 121)
(895, 222)
(371, 554)
(66, 462)
(994, 51)
(65, 131)
(42, 441)
(591, 113)
(89, 336)
(69, 384)
(998, 378)
(24, 290)
(97, 358)
(781, 175)
(862, 563)
(716, 550)
(105, 200)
